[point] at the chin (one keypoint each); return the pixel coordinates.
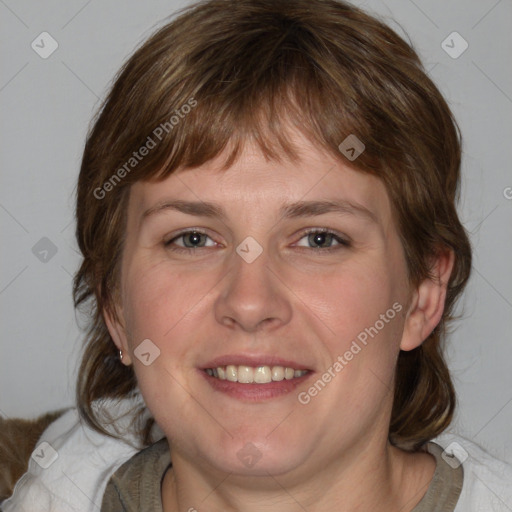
(258, 455)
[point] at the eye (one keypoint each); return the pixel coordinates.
(322, 239)
(190, 240)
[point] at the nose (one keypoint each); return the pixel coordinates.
(253, 297)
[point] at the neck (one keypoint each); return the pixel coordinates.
(367, 477)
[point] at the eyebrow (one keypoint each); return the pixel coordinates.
(197, 208)
(313, 208)
(287, 211)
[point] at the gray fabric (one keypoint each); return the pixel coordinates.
(446, 485)
(136, 485)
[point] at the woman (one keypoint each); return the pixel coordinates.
(266, 210)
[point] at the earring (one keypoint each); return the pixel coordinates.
(121, 355)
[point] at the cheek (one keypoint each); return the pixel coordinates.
(158, 298)
(349, 299)
(358, 311)
(160, 306)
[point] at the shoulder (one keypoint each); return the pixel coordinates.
(18, 438)
(74, 464)
(487, 483)
(137, 481)
(150, 459)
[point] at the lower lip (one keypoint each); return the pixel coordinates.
(255, 392)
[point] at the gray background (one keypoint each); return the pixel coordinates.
(46, 108)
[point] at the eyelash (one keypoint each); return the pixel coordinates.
(342, 242)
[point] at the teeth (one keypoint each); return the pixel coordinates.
(249, 374)
(277, 373)
(231, 373)
(245, 374)
(262, 375)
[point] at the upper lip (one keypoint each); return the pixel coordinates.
(255, 360)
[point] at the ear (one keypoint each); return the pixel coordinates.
(115, 324)
(427, 303)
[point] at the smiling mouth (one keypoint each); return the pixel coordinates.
(254, 374)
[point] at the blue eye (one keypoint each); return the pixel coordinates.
(322, 239)
(191, 240)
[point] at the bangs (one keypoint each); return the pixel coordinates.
(266, 114)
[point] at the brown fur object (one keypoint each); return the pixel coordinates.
(18, 438)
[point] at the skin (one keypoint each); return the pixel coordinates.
(296, 301)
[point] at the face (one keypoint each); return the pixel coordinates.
(242, 273)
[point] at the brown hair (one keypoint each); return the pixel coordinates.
(247, 69)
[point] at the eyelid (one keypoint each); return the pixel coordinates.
(186, 231)
(342, 239)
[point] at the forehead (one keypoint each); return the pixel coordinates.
(256, 185)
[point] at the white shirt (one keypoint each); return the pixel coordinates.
(72, 463)
(487, 484)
